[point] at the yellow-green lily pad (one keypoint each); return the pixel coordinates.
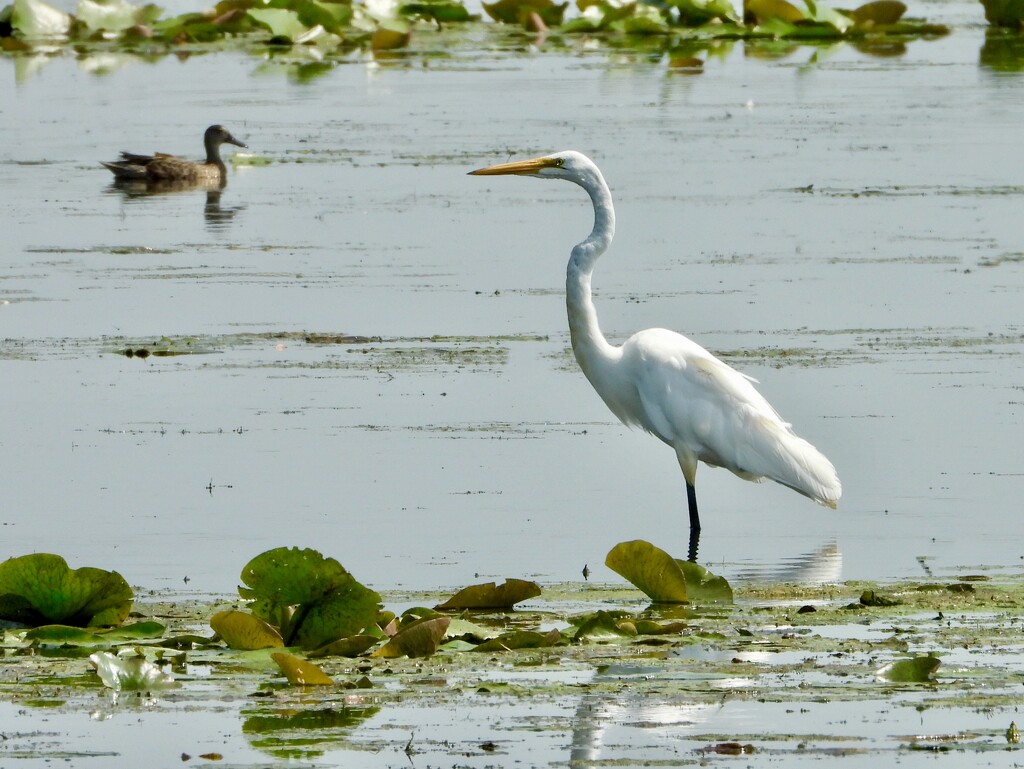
(246, 632)
(649, 568)
(418, 639)
(491, 596)
(916, 670)
(300, 672)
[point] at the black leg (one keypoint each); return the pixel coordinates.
(691, 499)
(691, 554)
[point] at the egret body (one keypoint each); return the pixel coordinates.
(669, 385)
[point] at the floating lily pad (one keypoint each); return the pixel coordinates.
(878, 13)
(352, 646)
(443, 11)
(65, 635)
(492, 596)
(603, 626)
(41, 589)
(310, 599)
(649, 568)
(240, 630)
(702, 586)
(521, 639)
(418, 639)
(518, 11)
(917, 670)
(300, 672)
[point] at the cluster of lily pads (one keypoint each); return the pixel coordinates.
(388, 24)
(299, 599)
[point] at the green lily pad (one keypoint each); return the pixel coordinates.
(310, 599)
(521, 639)
(41, 589)
(65, 635)
(603, 626)
(917, 670)
(649, 568)
(352, 646)
(702, 586)
(491, 596)
(442, 11)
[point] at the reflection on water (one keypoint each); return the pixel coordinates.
(217, 215)
(1003, 51)
(823, 566)
(302, 733)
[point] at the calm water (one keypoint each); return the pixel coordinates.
(881, 310)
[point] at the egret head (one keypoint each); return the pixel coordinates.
(569, 165)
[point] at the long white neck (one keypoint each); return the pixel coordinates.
(588, 343)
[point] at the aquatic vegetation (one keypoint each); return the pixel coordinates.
(132, 672)
(41, 589)
(586, 650)
(326, 27)
(1005, 13)
(311, 600)
(665, 579)
(492, 596)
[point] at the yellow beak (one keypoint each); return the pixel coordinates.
(520, 167)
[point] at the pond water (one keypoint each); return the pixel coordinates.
(878, 308)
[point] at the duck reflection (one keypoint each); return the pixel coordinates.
(217, 215)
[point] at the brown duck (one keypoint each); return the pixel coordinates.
(162, 168)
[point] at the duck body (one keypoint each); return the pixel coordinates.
(161, 168)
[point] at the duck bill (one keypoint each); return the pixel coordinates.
(233, 140)
(520, 167)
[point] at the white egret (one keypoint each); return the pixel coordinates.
(668, 384)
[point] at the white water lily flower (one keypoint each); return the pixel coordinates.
(129, 673)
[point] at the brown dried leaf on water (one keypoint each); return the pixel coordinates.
(492, 596)
(244, 631)
(300, 672)
(417, 639)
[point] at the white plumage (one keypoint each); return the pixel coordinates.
(667, 384)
